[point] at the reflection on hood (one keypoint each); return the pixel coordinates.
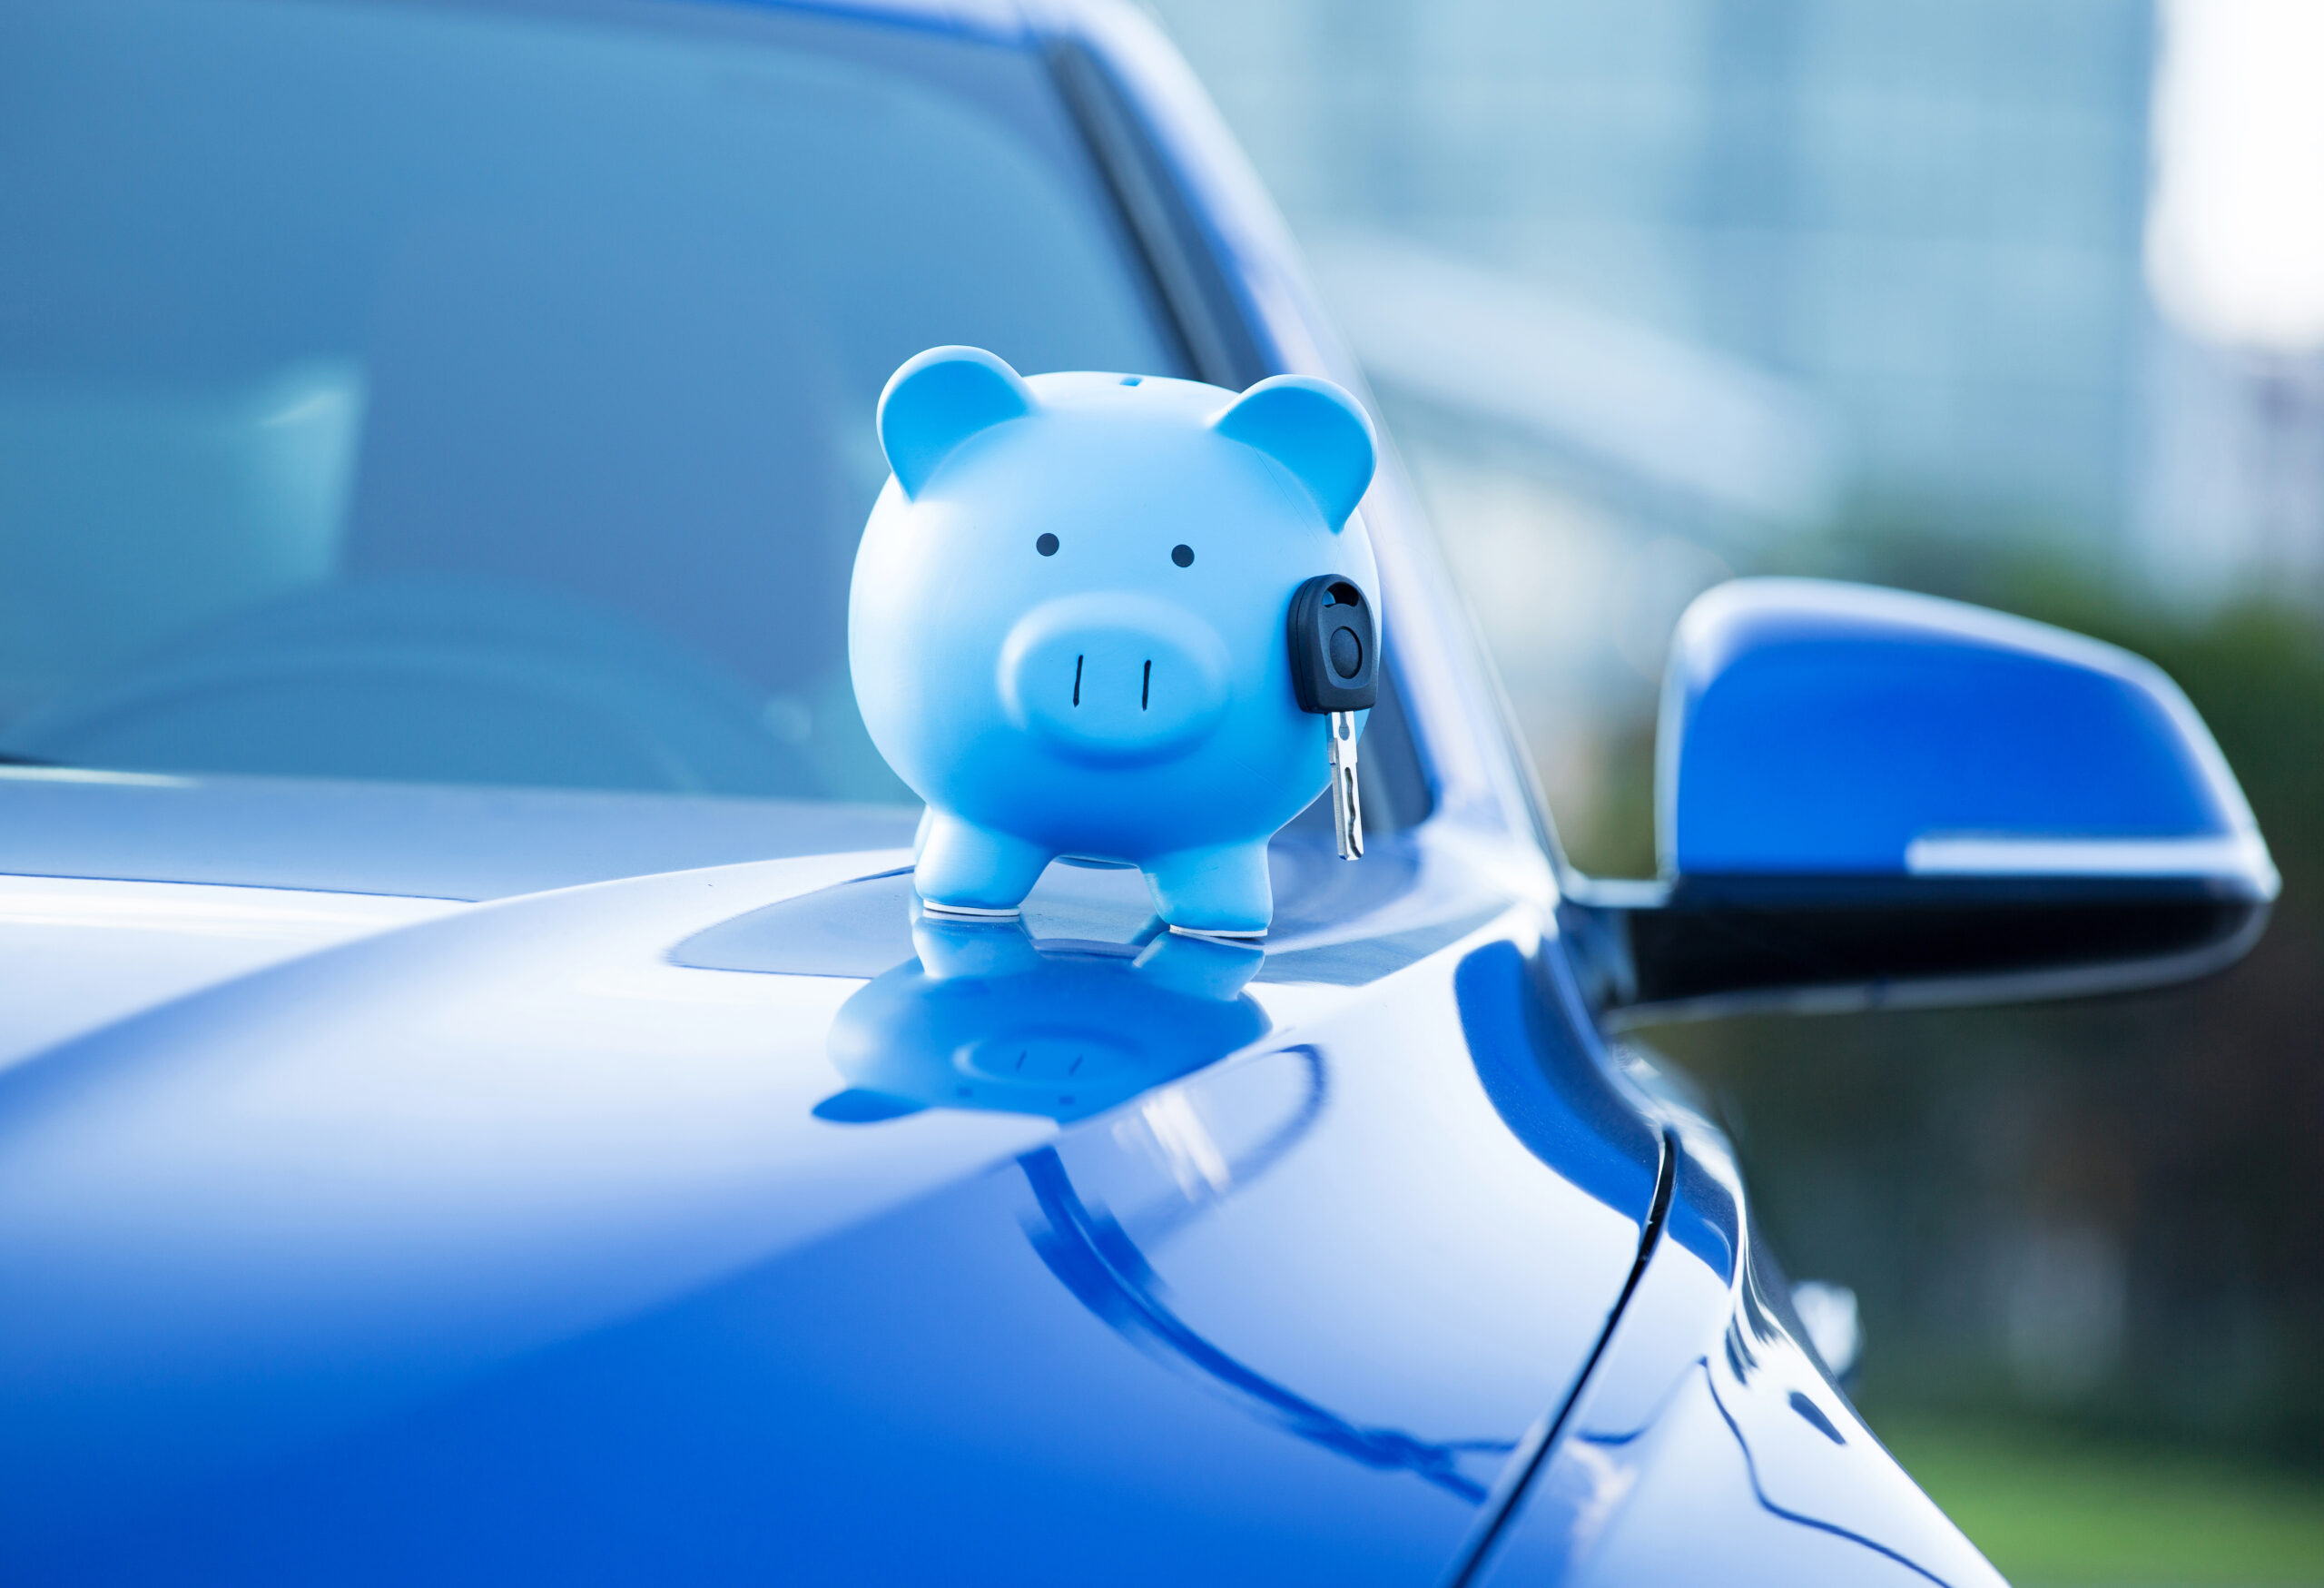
(986, 1018)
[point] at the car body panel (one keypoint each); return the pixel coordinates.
(82, 953)
(1928, 737)
(1708, 1429)
(501, 1237)
(432, 840)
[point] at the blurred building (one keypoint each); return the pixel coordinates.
(1926, 214)
(2233, 482)
(2235, 253)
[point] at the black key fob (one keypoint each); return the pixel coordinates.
(1334, 646)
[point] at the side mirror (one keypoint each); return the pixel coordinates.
(1867, 797)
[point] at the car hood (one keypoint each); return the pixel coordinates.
(700, 1221)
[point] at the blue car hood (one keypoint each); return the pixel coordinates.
(566, 1231)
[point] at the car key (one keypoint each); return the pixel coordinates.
(1335, 673)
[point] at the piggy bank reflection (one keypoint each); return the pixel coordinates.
(986, 1018)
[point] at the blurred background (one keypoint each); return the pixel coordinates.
(2020, 302)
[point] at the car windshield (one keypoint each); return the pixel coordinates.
(483, 394)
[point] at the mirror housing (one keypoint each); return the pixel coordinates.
(1868, 797)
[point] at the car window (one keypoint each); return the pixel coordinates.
(485, 394)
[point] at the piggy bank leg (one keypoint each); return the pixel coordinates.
(1214, 890)
(962, 866)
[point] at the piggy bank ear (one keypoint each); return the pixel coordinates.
(938, 399)
(1313, 429)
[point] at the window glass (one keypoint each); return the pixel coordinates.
(484, 395)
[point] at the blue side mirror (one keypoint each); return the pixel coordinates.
(1870, 797)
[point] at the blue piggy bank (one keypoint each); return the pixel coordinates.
(1067, 622)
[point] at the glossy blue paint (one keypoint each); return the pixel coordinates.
(1519, 1019)
(1706, 1430)
(1092, 1256)
(1813, 728)
(500, 1243)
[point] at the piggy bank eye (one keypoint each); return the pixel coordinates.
(1184, 556)
(1046, 546)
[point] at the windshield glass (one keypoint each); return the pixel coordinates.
(484, 395)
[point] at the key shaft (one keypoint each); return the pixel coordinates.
(1347, 800)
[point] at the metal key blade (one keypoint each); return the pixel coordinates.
(1347, 805)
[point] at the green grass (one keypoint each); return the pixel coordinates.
(2049, 1509)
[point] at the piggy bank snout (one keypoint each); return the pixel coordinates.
(1114, 679)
